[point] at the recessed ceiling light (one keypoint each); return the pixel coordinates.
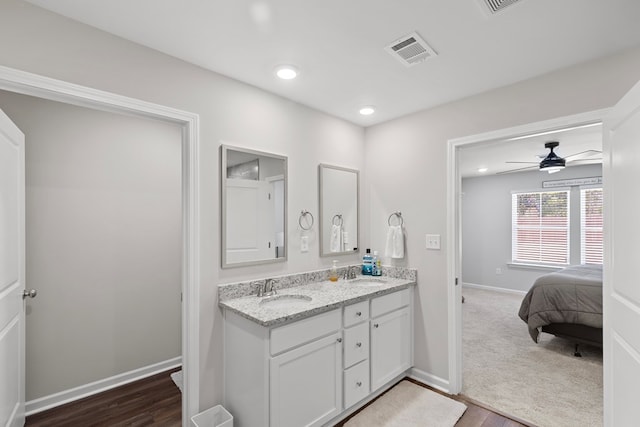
(368, 110)
(482, 170)
(287, 72)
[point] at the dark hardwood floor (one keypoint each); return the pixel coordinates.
(153, 401)
(156, 401)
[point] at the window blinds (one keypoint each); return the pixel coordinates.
(540, 227)
(591, 225)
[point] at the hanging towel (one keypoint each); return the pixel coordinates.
(345, 241)
(335, 243)
(395, 242)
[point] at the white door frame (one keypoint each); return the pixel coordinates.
(56, 90)
(454, 232)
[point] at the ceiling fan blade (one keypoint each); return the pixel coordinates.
(530, 163)
(517, 170)
(583, 155)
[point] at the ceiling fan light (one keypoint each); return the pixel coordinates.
(552, 163)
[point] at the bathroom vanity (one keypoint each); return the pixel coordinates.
(313, 353)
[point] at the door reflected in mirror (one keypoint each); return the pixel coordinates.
(339, 206)
(253, 207)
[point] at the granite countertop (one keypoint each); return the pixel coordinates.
(325, 296)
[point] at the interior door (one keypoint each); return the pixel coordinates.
(250, 221)
(621, 291)
(12, 268)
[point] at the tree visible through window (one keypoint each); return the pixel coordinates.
(591, 226)
(540, 227)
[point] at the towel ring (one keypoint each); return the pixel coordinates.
(398, 215)
(333, 220)
(304, 214)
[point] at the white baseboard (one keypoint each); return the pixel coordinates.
(430, 380)
(494, 288)
(66, 396)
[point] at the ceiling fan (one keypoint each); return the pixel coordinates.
(552, 163)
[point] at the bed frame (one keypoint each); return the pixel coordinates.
(579, 334)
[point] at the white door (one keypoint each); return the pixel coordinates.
(11, 274)
(621, 291)
(250, 221)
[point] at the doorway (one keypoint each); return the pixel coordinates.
(51, 89)
(454, 225)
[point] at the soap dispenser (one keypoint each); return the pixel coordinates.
(333, 272)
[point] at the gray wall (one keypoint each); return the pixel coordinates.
(41, 42)
(486, 226)
(409, 158)
(103, 220)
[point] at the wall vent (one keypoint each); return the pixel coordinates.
(411, 50)
(497, 5)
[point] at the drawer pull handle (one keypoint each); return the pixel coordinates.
(358, 344)
(339, 339)
(358, 313)
(375, 325)
(359, 383)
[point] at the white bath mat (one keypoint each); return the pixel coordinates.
(177, 379)
(408, 405)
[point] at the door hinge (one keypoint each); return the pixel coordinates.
(269, 245)
(269, 196)
(456, 281)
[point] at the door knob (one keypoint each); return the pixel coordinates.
(31, 293)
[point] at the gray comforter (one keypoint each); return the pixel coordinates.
(571, 295)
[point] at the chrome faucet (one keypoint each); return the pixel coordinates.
(349, 273)
(266, 290)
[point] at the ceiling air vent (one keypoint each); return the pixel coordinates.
(497, 5)
(411, 50)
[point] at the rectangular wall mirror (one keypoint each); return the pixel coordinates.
(339, 209)
(253, 207)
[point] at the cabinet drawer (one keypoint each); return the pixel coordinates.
(387, 303)
(356, 383)
(305, 330)
(356, 313)
(356, 344)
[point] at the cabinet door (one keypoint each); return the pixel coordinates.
(390, 346)
(306, 384)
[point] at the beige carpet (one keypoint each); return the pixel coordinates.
(409, 405)
(542, 383)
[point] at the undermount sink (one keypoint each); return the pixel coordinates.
(278, 301)
(368, 281)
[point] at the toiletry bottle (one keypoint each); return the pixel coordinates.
(366, 263)
(376, 267)
(333, 272)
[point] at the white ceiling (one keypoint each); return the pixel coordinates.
(339, 45)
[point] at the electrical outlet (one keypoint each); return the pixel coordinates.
(304, 244)
(433, 241)
(498, 270)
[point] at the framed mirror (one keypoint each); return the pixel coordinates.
(339, 190)
(253, 207)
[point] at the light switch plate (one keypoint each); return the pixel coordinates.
(304, 244)
(433, 241)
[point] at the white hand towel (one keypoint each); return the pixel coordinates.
(345, 240)
(335, 243)
(395, 242)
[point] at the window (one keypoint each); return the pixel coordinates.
(540, 227)
(591, 225)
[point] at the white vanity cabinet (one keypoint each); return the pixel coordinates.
(391, 337)
(308, 372)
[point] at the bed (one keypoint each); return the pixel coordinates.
(566, 303)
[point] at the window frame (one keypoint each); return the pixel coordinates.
(515, 228)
